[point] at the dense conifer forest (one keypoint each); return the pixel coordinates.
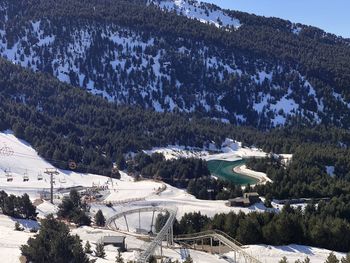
(264, 73)
(105, 80)
(17, 206)
(314, 226)
(65, 123)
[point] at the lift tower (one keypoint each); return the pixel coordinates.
(51, 172)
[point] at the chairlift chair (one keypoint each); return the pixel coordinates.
(9, 177)
(25, 176)
(40, 177)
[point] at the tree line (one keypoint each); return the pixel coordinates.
(17, 206)
(289, 226)
(64, 123)
(123, 70)
(177, 172)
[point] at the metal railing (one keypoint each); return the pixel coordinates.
(157, 241)
(148, 249)
(223, 238)
(206, 234)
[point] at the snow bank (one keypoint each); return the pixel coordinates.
(11, 240)
(273, 254)
(330, 170)
(262, 177)
(200, 12)
(24, 159)
(230, 150)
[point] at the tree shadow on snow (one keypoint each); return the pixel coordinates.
(296, 249)
(27, 224)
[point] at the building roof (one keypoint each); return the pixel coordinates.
(113, 239)
(239, 199)
(252, 194)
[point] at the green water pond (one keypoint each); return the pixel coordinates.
(224, 170)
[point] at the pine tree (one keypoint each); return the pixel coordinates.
(188, 260)
(74, 196)
(283, 260)
(71, 208)
(100, 250)
(346, 259)
(54, 243)
(121, 163)
(152, 259)
(332, 258)
(80, 218)
(119, 258)
(87, 248)
(160, 221)
(9, 206)
(28, 210)
(18, 227)
(100, 220)
(65, 208)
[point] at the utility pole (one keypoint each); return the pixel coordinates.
(51, 172)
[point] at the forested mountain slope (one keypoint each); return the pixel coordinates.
(184, 56)
(65, 123)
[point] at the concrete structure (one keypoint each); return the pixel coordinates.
(116, 241)
(248, 199)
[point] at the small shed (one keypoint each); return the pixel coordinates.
(239, 202)
(252, 197)
(116, 241)
(247, 200)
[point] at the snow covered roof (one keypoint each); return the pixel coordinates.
(114, 239)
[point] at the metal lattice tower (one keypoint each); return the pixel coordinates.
(51, 172)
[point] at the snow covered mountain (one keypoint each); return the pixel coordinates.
(181, 55)
(202, 12)
(24, 159)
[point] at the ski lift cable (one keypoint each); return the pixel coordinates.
(27, 156)
(30, 156)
